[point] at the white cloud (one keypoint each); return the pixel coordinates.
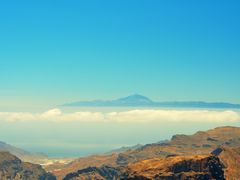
(56, 115)
(16, 116)
(52, 113)
(175, 116)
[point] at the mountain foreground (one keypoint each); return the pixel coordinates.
(205, 155)
(12, 168)
(213, 154)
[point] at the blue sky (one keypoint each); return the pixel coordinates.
(52, 52)
(58, 51)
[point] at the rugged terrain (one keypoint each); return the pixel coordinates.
(230, 158)
(213, 154)
(198, 144)
(177, 168)
(36, 158)
(22, 154)
(12, 168)
(61, 170)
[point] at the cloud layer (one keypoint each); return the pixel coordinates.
(130, 116)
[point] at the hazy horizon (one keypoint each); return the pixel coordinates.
(58, 52)
(75, 132)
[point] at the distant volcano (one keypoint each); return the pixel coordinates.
(137, 100)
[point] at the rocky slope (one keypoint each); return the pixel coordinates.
(12, 168)
(104, 172)
(175, 168)
(200, 143)
(92, 161)
(230, 158)
(22, 154)
(222, 159)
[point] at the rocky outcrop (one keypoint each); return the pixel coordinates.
(230, 157)
(177, 168)
(22, 154)
(196, 144)
(200, 143)
(83, 163)
(171, 168)
(12, 168)
(90, 173)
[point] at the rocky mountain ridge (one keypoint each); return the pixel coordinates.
(175, 168)
(12, 168)
(22, 154)
(180, 146)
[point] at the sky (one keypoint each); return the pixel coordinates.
(53, 52)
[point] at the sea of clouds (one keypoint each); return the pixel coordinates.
(127, 116)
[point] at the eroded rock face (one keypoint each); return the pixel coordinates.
(12, 168)
(83, 163)
(200, 143)
(177, 168)
(230, 157)
(90, 173)
(172, 168)
(196, 144)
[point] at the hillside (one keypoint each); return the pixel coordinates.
(198, 144)
(61, 170)
(230, 158)
(12, 168)
(22, 154)
(177, 168)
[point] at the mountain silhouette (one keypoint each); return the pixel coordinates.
(137, 100)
